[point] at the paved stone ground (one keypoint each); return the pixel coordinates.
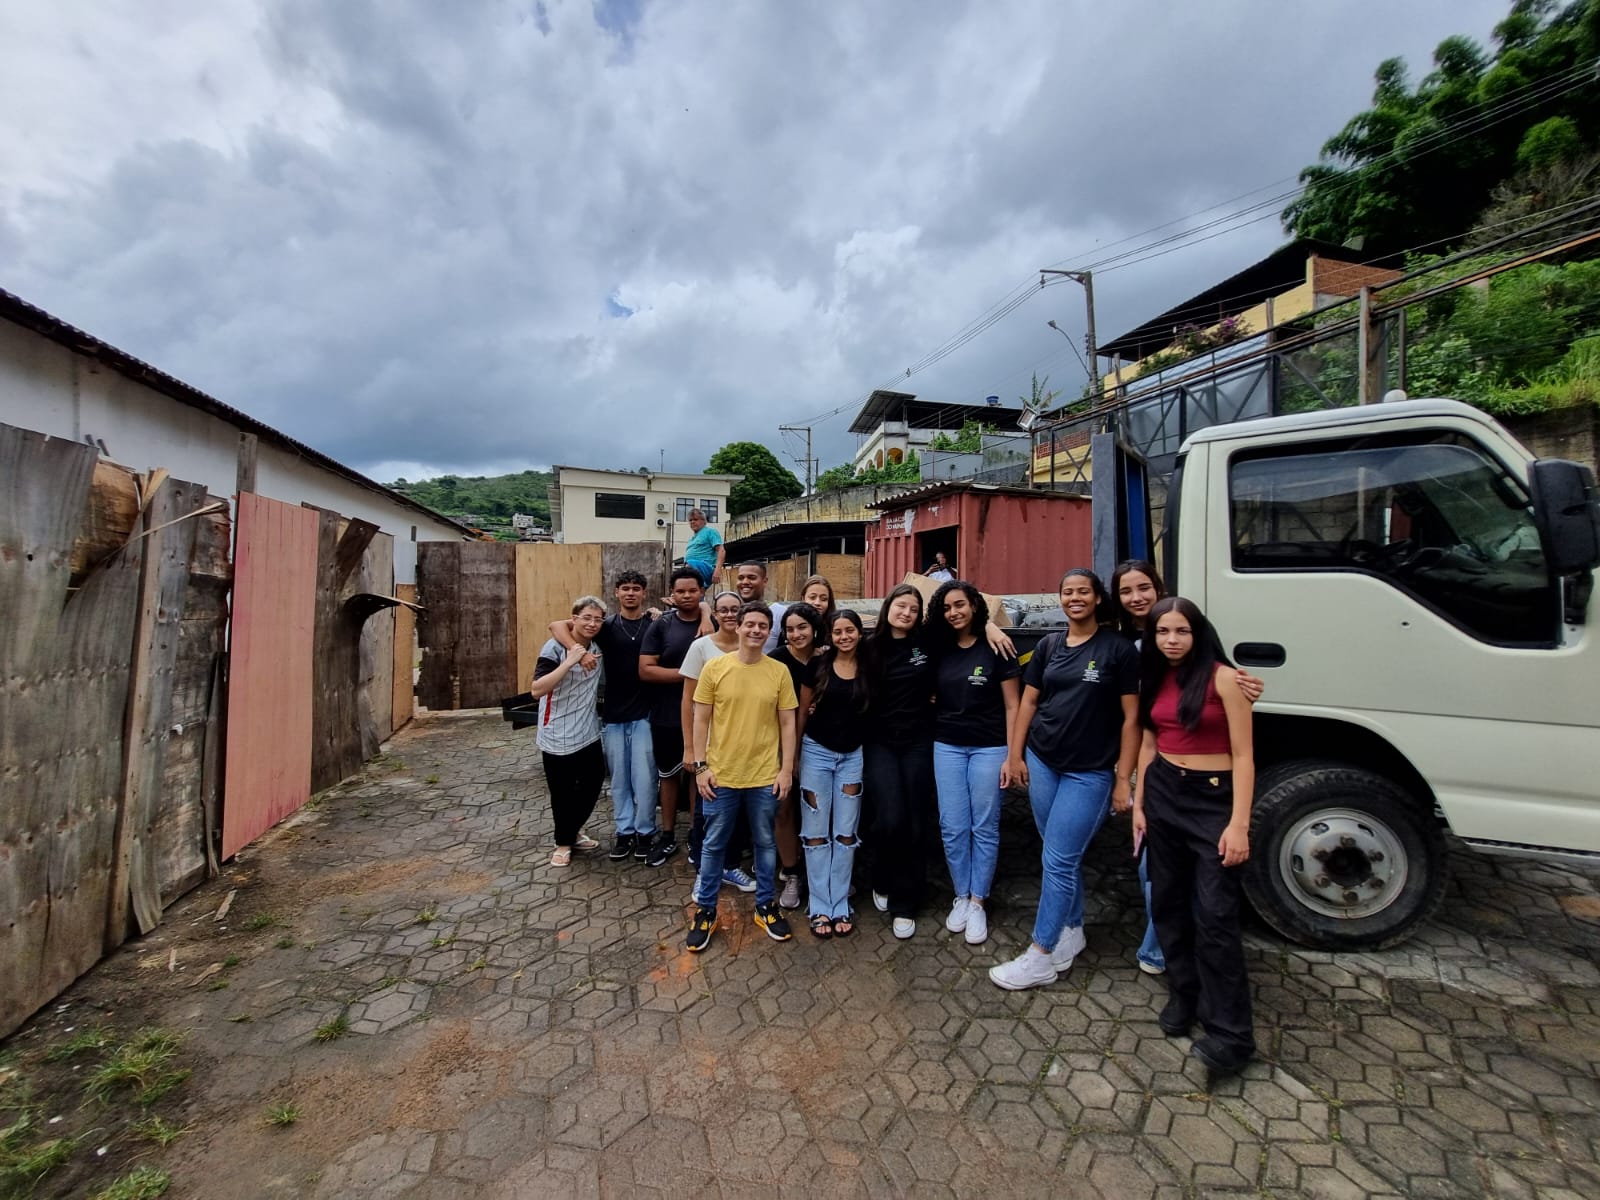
(544, 1033)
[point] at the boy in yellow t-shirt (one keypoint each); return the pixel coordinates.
(744, 749)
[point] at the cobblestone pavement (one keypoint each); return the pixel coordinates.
(520, 1031)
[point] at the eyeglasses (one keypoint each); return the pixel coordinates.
(727, 612)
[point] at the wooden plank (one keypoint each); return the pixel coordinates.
(164, 547)
(405, 657)
(781, 581)
(244, 479)
(377, 650)
(335, 737)
(844, 571)
(53, 691)
(549, 578)
(488, 625)
(108, 520)
(267, 765)
(648, 558)
(438, 590)
(354, 538)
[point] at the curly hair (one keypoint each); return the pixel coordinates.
(941, 635)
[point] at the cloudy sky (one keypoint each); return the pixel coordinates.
(477, 237)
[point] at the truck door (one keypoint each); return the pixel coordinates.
(1402, 578)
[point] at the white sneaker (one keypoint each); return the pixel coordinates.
(880, 902)
(957, 920)
(977, 924)
(1069, 945)
(1029, 969)
(904, 927)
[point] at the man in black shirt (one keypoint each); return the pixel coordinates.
(660, 655)
(630, 755)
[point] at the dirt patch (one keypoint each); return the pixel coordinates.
(354, 881)
(449, 1077)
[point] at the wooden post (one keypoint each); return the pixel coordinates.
(1369, 346)
(245, 478)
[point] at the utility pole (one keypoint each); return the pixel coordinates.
(1087, 279)
(808, 462)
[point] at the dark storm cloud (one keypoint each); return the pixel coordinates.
(406, 233)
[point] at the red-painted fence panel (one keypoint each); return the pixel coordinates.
(268, 771)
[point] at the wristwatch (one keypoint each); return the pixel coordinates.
(699, 766)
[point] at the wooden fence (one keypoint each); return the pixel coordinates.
(127, 750)
(487, 607)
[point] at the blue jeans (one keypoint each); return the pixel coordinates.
(1068, 808)
(1150, 948)
(721, 813)
(829, 818)
(632, 761)
(702, 568)
(968, 780)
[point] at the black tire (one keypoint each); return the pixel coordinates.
(1342, 858)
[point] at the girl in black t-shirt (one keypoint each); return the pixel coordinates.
(976, 695)
(1074, 744)
(803, 640)
(833, 701)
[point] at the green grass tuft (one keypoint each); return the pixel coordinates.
(162, 1133)
(333, 1030)
(283, 1114)
(86, 1042)
(262, 921)
(141, 1183)
(140, 1066)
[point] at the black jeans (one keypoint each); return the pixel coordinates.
(574, 781)
(899, 796)
(1194, 899)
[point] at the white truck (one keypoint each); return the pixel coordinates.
(1414, 587)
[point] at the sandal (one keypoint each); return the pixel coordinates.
(585, 843)
(561, 856)
(821, 926)
(844, 926)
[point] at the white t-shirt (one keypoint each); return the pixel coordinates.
(701, 651)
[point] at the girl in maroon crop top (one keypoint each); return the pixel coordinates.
(1192, 808)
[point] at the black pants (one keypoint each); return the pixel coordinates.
(574, 781)
(899, 790)
(1195, 900)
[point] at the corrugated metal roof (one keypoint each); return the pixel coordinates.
(18, 311)
(931, 491)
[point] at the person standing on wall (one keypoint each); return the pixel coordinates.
(744, 742)
(625, 735)
(660, 655)
(1196, 784)
(705, 551)
(569, 730)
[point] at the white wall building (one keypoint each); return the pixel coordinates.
(894, 425)
(60, 381)
(636, 506)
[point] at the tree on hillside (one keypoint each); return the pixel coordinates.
(834, 479)
(1420, 164)
(766, 480)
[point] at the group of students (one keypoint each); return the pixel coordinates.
(809, 736)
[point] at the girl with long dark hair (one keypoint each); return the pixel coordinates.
(976, 697)
(803, 639)
(1073, 743)
(1192, 808)
(833, 701)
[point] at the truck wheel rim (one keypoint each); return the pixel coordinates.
(1343, 863)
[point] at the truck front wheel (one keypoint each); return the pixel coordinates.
(1341, 858)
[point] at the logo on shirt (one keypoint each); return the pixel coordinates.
(976, 678)
(1091, 673)
(918, 658)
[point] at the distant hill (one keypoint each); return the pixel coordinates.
(488, 500)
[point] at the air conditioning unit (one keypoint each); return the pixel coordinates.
(661, 508)
(661, 522)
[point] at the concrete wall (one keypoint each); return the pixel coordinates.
(47, 388)
(1570, 433)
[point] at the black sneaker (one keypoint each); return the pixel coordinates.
(1176, 1019)
(771, 920)
(642, 846)
(1219, 1058)
(622, 847)
(701, 926)
(665, 847)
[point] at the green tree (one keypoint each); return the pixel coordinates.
(766, 480)
(844, 475)
(968, 441)
(1420, 164)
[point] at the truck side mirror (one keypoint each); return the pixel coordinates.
(1566, 512)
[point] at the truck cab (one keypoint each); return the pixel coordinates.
(1414, 587)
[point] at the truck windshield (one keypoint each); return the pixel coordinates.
(1435, 516)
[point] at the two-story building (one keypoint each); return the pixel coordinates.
(895, 425)
(591, 505)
